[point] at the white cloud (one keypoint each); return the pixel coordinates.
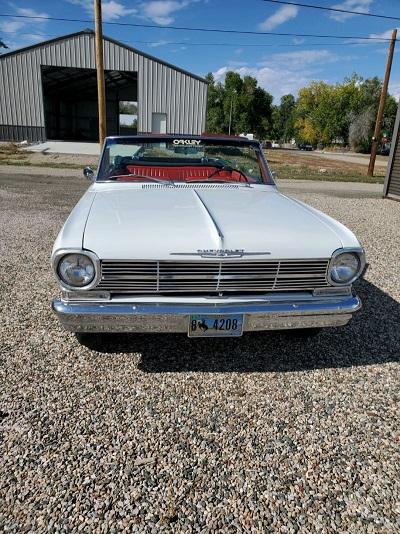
(111, 10)
(394, 89)
(300, 58)
(158, 11)
(284, 72)
(23, 31)
(384, 35)
(277, 82)
(161, 42)
(283, 14)
(28, 12)
(233, 63)
(114, 10)
(353, 5)
(161, 11)
(11, 26)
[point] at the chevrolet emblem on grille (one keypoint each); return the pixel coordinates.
(220, 253)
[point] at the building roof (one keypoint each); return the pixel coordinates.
(88, 31)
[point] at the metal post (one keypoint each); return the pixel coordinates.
(100, 72)
(231, 111)
(381, 109)
(230, 116)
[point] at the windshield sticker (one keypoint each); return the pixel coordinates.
(193, 142)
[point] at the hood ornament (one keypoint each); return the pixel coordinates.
(221, 253)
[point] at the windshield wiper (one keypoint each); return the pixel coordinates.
(150, 178)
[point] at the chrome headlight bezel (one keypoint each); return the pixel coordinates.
(358, 253)
(60, 254)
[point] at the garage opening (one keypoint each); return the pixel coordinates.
(70, 102)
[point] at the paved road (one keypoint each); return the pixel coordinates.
(66, 147)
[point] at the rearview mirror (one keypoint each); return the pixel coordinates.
(88, 173)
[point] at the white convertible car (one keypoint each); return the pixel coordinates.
(190, 234)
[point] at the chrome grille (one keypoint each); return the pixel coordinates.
(212, 276)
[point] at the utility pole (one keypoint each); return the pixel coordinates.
(379, 118)
(231, 112)
(100, 72)
(230, 116)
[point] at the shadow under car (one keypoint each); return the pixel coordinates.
(371, 337)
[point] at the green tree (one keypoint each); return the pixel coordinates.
(215, 121)
(128, 108)
(283, 119)
(342, 113)
(240, 103)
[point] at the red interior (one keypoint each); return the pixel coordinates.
(178, 173)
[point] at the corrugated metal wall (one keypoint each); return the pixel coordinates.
(161, 88)
(392, 180)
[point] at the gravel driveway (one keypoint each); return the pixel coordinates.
(268, 433)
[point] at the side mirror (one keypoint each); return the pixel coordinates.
(274, 175)
(88, 173)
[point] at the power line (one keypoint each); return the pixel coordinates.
(334, 9)
(188, 43)
(209, 30)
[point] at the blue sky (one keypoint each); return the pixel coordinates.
(281, 64)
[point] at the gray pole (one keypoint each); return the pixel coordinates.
(230, 116)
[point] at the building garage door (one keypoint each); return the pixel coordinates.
(392, 180)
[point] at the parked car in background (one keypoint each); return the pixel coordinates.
(384, 149)
(275, 144)
(266, 145)
(190, 234)
(305, 146)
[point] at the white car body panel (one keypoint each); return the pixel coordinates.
(127, 221)
(71, 234)
(150, 231)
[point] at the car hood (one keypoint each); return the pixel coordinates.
(135, 221)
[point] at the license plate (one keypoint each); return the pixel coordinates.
(215, 325)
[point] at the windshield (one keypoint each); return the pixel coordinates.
(182, 160)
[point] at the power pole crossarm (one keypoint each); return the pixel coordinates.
(379, 118)
(100, 72)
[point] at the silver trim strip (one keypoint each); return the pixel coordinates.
(219, 231)
(161, 317)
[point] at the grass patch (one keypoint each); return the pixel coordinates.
(304, 172)
(49, 164)
(9, 149)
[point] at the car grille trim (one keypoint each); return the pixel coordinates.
(213, 276)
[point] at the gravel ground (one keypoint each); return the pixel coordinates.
(268, 433)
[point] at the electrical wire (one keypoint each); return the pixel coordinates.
(209, 30)
(334, 9)
(188, 43)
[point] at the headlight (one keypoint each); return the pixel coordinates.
(346, 267)
(76, 270)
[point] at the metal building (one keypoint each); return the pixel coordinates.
(391, 188)
(49, 91)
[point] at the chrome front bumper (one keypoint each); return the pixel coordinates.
(165, 317)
